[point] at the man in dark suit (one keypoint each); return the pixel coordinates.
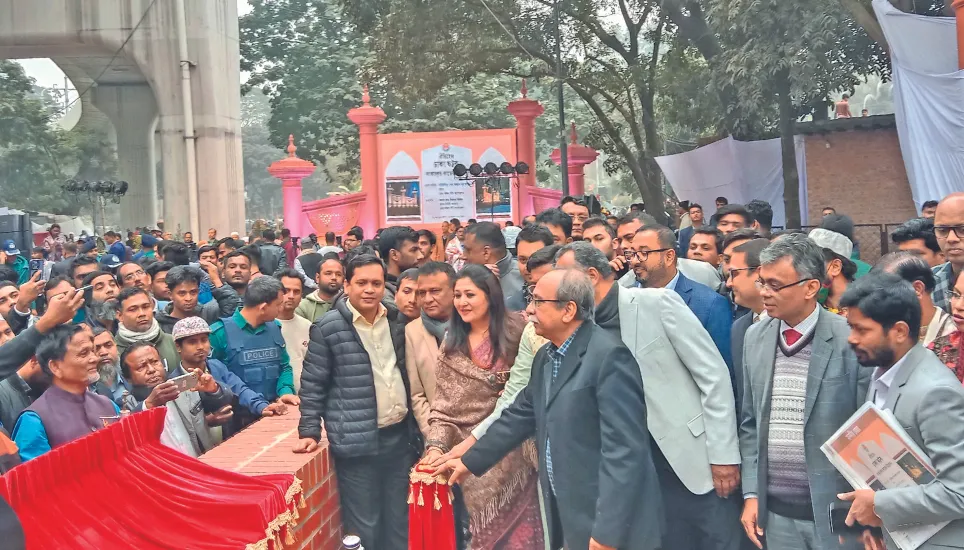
(654, 261)
(743, 264)
(588, 418)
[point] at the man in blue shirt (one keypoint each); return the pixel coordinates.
(115, 245)
(68, 410)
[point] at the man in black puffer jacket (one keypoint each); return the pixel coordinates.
(354, 378)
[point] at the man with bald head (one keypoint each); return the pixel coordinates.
(949, 229)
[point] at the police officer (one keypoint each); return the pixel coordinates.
(251, 345)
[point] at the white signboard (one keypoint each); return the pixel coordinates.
(445, 196)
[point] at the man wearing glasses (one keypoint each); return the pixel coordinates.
(654, 262)
(801, 382)
(743, 263)
(949, 229)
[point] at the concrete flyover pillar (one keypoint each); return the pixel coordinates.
(132, 110)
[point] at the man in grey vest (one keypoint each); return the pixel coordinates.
(68, 410)
(251, 345)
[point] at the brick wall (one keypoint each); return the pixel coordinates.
(265, 448)
(861, 174)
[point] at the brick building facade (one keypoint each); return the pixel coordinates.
(855, 165)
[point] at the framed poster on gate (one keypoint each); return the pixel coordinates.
(419, 187)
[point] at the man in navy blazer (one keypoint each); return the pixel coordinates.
(654, 262)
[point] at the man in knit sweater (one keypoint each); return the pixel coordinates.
(801, 382)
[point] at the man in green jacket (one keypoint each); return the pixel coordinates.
(330, 279)
(11, 256)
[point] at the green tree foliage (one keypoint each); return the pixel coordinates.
(36, 156)
(310, 61)
(647, 69)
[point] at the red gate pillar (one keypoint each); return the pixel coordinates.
(291, 171)
(579, 156)
(525, 111)
(367, 118)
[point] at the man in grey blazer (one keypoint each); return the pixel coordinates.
(689, 401)
(801, 382)
(925, 397)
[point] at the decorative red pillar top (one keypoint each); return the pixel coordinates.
(578, 154)
(366, 115)
(291, 169)
(525, 108)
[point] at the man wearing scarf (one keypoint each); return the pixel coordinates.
(68, 410)
(423, 336)
(193, 420)
(137, 324)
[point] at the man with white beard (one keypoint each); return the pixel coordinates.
(108, 367)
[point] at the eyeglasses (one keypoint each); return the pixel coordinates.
(763, 285)
(643, 255)
(734, 270)
(135, 275)
(942, 231)
(954, 296)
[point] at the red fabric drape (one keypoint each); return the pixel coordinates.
(120, 488)
(431, 520)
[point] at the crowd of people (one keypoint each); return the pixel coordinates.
(588, 381)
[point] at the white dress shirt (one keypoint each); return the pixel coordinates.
(671, 285)
(390, 396)
(883, 380)
(805, 327)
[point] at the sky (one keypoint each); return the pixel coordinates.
(49, 75)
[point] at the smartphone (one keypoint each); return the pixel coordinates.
(84, 289)
(36, 265)
(838, 519)
(185, 382)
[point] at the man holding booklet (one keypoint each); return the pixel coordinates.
(926, 400)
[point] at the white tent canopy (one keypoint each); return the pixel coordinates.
(928, 93)
(741, 171)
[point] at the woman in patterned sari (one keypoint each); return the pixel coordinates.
(473, 368)
(948, 346)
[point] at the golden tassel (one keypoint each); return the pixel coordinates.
(421, 501)
(438, 503)
(451, 496)
(411, 494)
(294, 514)
(289, 538)
(277, 541)
(301, 500)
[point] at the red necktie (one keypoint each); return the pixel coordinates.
(792, 336)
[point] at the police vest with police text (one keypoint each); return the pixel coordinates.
(255, 358)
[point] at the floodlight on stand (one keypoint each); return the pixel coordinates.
(460, 170)
(522, 168)
(491, 169)
(475, 169)
(506, 168)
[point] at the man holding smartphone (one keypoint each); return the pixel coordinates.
(195, 414)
